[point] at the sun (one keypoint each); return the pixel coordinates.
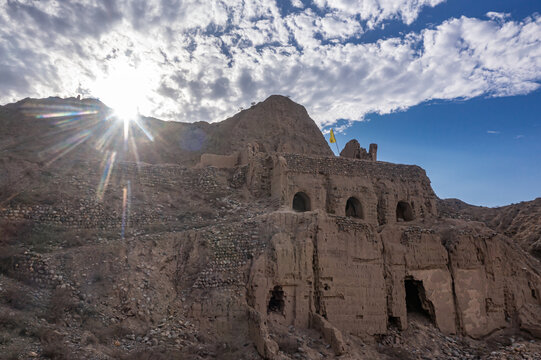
(124, 89)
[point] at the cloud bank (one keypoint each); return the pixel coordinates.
(193, 61)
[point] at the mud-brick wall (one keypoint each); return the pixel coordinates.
(469, 280)
(329, 182)
(418, 253)
(351, 280)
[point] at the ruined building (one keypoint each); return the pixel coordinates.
(251, 239)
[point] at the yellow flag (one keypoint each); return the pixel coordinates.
(332, 140)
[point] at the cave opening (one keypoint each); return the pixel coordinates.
(301, 202)
(417, 304)
(404, 211)
(276, 302)
(354, 208)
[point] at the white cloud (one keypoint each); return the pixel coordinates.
(297, 4)
(492, 132)
(375, 11)
(202, 62)
(497, 15)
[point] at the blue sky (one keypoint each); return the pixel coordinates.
(452, 85)
(485, 151)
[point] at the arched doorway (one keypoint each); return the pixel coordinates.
(404, 211)
(354, 208)
(301, 202)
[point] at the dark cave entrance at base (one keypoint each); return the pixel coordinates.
(276, 302)
(417, 305)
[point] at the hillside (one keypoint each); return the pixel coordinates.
(115, 247)
(521, 222)
(42, 129)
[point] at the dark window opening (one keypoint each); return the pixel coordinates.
(301, 202)
(393, 323)
(354, 208)
(404, 211)
(276, 302)
(416, 301)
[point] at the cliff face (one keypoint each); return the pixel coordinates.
(276, 254)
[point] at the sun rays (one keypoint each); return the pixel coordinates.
(109, 135)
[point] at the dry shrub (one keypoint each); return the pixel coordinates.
(12, 352)
(106, 334)
(155, 354)
(60, 302)
(7, 259)
(53, 346)
(394, 353)
(9, 320)
(16, 298)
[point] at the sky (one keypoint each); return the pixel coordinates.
(450, 85)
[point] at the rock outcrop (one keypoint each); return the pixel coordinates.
(353, 150)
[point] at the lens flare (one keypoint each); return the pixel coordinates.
(65, 114)
(105, 176)
(67, 145)
(126, 202)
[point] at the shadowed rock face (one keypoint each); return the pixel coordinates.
(275, 125)
(269, 245)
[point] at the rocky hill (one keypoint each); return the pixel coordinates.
(244, 239)
(521, 222)
(49, 127)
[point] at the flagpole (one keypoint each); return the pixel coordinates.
(337, 149)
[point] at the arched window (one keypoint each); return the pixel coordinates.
(301, 202)
(354, 208)
(404, 211)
